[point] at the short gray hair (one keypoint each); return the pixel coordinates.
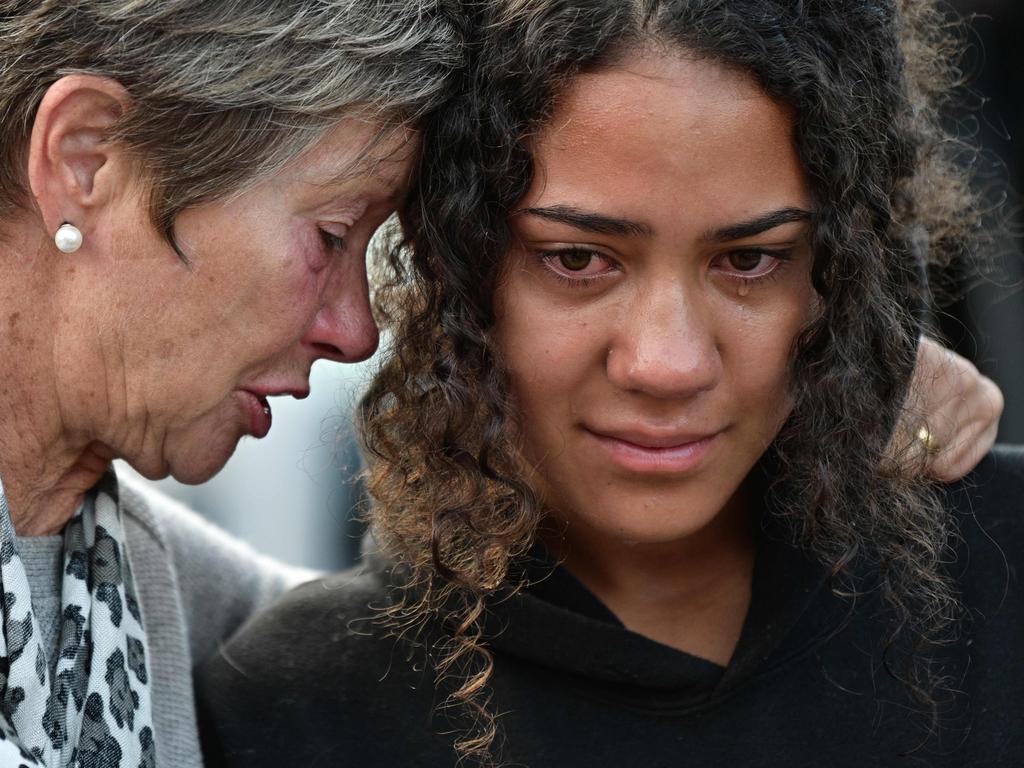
(224, 91)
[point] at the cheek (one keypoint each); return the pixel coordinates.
(761, 359)
(259, 270)
(290, 299)
(546, 356)
(549, 353)
(274, 299)
(235, 321)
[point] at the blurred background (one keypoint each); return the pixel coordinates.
(293, 494)
(302, 473)
(987, 324)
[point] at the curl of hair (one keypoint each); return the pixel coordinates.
(866, 80)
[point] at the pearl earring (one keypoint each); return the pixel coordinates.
(68, 238)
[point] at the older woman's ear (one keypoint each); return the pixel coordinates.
(73, 169)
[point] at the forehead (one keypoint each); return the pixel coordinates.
(360, 152)
(668, 129)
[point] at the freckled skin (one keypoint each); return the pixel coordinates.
(13, 332)
(261, 298)
(667, 339)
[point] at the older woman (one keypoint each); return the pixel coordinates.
(186, 194)
(629, 447)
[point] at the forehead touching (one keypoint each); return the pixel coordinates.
(358, 158)
(670, 132)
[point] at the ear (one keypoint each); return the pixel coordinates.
(73, 170)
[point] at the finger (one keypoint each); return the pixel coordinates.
(962, 457)
(972, 416)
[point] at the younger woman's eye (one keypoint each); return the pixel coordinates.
(751, 264)
(746, 261)
(576, 265)
(575, 261)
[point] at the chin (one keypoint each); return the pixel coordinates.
(202, 462)
(633, 523)
(196, 475)
(660, 531)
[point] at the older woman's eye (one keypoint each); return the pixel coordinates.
(332, 241)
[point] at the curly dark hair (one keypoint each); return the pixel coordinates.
(866, 80)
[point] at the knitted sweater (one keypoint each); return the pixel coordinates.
(196, 586)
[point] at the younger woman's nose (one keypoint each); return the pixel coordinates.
(665, 346)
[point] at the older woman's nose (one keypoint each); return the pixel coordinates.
(665, 346)
(344, 329)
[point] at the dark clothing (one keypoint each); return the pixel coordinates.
(310, 682)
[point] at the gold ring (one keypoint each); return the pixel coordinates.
(931, 445)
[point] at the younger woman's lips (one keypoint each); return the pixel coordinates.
(665, 457)
(258, 409)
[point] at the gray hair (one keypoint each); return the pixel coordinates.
(224, 92)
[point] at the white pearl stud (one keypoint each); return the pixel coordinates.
(68, 238)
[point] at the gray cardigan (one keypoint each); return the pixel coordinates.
(196, 586)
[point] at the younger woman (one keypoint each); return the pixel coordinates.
(633, 497)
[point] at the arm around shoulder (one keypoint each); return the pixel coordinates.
(222, 580)
(308, 679)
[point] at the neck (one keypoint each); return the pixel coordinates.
(692, 594)
(46, 466)
(43, 493)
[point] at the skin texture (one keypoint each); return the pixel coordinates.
(656, 333)
(124, 350)
(959, 406)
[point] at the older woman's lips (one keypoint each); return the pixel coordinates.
(647, 453)
(258, 409)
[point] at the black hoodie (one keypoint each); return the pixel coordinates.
(313, 681)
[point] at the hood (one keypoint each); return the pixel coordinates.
(556, 622)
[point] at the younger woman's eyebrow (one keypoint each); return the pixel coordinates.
(756, 226)
(609, 225)
(589, 221)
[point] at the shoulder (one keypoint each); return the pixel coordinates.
(144, 507)
(163, 519)
(221, 580)
(988, 515)
(1003, 466)
(317, 677)
(328, 626)
(990, 500)
(194, 542)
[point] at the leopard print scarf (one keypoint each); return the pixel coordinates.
(96, 712)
